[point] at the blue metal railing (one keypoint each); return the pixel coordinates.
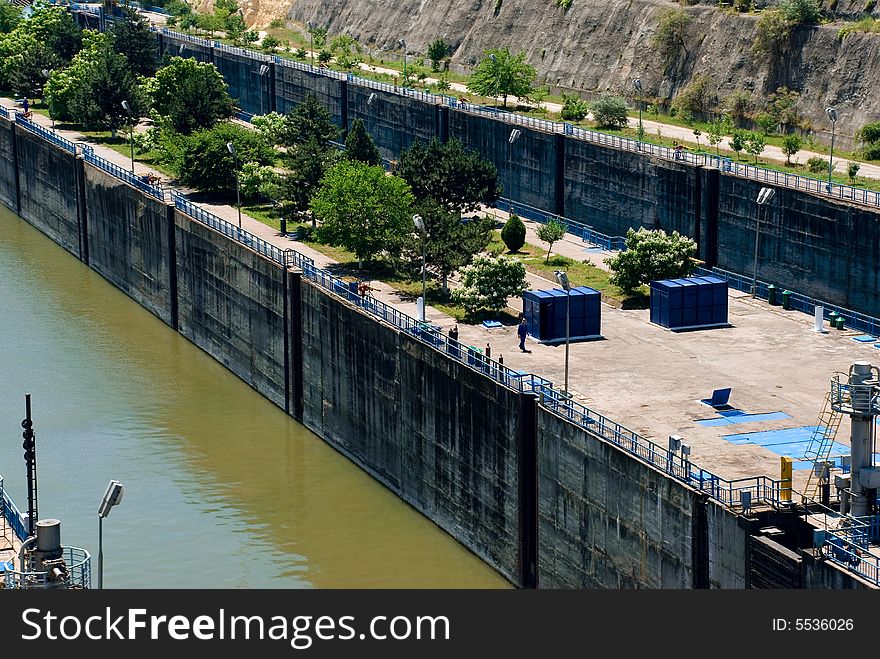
(4, 112)
(12, 514)
(46, 133)
(798, 301)
(115, 170)
(579, 229)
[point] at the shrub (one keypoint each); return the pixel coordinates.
(817, 165)
(270, 43)
(669, 39)
(574, 108)
(610, 111)
(698, 96)
(649, 256)
(766, 122)
(791, 144)
(772, 35)
(276, 23)
(852, 170)
(488, 282)
(800, 12)
(869, 133)
(514, 233)
(740, 104)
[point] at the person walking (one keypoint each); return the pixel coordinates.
(522, 331)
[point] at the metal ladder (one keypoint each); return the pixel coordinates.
(820, 444)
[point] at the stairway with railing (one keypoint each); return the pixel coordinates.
(821, 442)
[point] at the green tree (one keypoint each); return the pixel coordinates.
(869, 133)
(717, 130)
(852, 170)
(772, 35)
(306, 164)
(270, 43)
(206, 164)
(360, 146)
(270, 125)
(740, 104)
(63, 84)
(250, 37)
(755, 145)
(817, 165)
(502, 74)
(437, 52)
(325, 56)
(54, 27)
(488, 282)
(670, 39)
(308, 121)
(609, 111)
(651, 256)
(782, 105)
(791, 144)
(132, 38)
(97, 102)
(766, 122)
(459, 179)
(800, 12)
(513, 233)
(26, 77)
(551, 232)
(235, 28)
(257, 180)
(738, 142)
(362, 209)
(319, 36)
(10, 17)
(699, 96)
(192, 95)
(574, 108)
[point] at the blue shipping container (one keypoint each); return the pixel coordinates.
(545, 313)
(690, 302)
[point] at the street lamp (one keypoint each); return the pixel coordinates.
(832, 114)
(637, 85)
(562, 278)
(231, 148)
(513, 137)
(127, 108)
(311, 26)
(765, 195)
(403, 45)
(181, 49)
(264, 69)
(46, 74)
(112, 497)
(495, 62)
(371, 98)
(423, 230)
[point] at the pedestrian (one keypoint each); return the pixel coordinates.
(453, 333)
(26, 107)
(522, 331)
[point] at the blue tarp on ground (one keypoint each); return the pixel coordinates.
(738, 416)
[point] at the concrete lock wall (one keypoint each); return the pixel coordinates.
(607, 520)
(293, 85)
(8, 176)
(395, 122)
(231, 304)
(129, 241)
(249, 89)
(435, 432)
(47, 189)
(171, 47)
(539, 499)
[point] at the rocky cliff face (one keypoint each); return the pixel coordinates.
(602, 45)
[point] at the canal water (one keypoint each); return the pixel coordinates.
(222, 489)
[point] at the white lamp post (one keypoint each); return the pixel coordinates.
(127, 108)
(765, 195)
(112, 497)
(422, 229)
(231, 148)
(637, 85)
(832, 114)
(264, 69)
(562, 278)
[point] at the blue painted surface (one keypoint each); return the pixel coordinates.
(792, 442)
(491, 323)
(865, 338)
(738, 416)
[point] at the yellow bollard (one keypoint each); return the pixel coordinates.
(786, 468)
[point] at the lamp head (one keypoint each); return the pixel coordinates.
(562, 278)
(264, 69)
(402, 43)
(181, 49)
(832, 113)
(514, 135)
(371, 98)
(765, 195)
(493, 58)
(637, 85)
(112, 497)
(126, 106)
(230, 147)
(419, 223)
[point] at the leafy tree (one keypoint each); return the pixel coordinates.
(63, 84)
(551, 232)
(306, 165)
(740, 104)
(191, 94)
(26, 77)
(10, 17)
(782, 105)
(458, 178)
(270, 125)
(325, 56)
(250, 37)
(488, 282)
(651, 255)
(132, 38)
(717, 130)
(791, 144)
(235, 28)
(97, 102)
(852, 170)
(360, 146)
(755, 145)
(766, 122)
(270, 43)
(362, 209)
(513, 233)
(817, 165)
(206, 164)
(773, 34)
(437, 52)
(319, 36)
(738, 142)
(343, 42)
(698, 96)
(670, 38)
(502, 74)
(257, 180)
(574, 108)
(301, 53)
(609, 111)
(800, 12)
(308, 121)
(869, 133)
(54, 27)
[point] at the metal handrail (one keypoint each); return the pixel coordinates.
(583, 231)
(13, 515)
(155, 191)
(46, 133)
(79, 575)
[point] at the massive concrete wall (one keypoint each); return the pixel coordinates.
(292, 85)
(8, 169)
(605, 519)
(48, 184)
(394, 121)
(128, 235)
(434, 431)
(231, 304)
